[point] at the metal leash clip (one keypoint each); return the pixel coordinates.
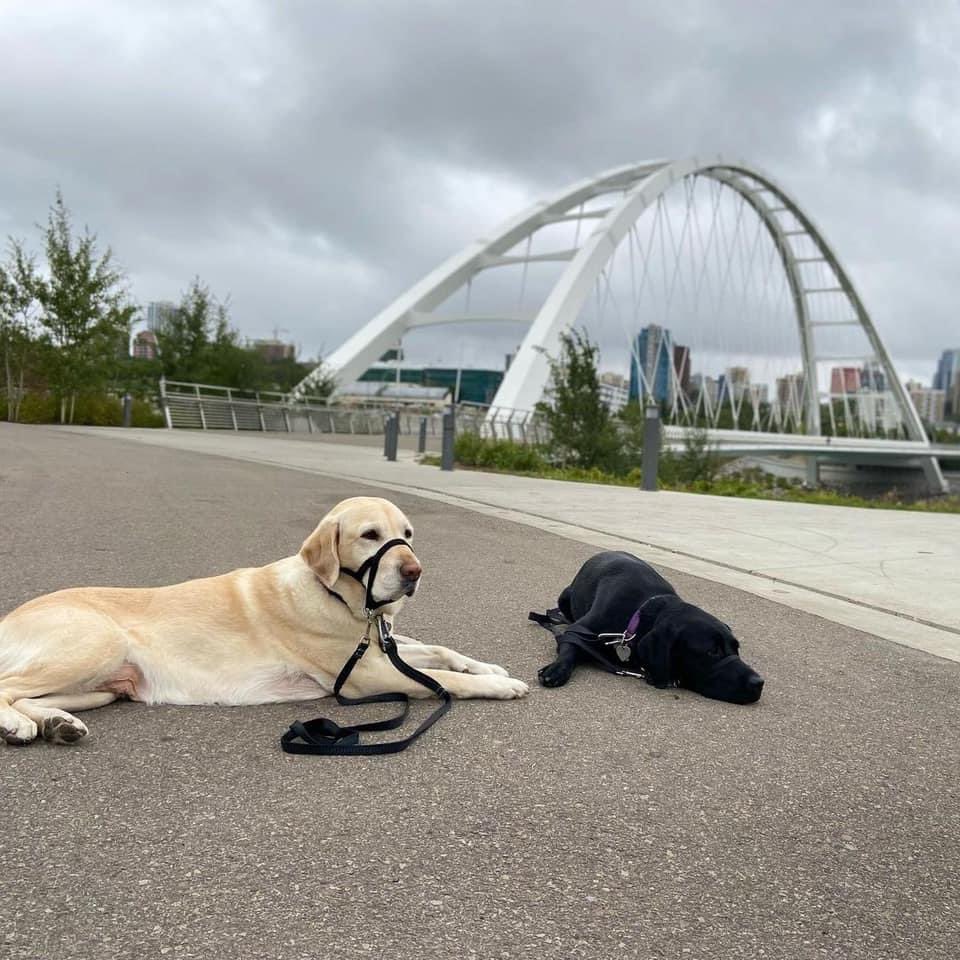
(620, 643)
(384, 632)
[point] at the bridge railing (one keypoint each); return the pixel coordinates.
(201, 406)
(205, 406)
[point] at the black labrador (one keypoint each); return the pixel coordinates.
(622, 615)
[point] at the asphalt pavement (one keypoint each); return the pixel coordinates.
(605, 819)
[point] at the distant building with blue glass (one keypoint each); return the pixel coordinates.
(948, 369)
(947, 378)
(650, 364)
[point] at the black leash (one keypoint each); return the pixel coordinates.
(325, 737)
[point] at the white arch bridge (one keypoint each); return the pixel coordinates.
(707, 249)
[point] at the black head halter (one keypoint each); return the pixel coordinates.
(371, 565)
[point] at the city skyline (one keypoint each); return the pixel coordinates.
(665, 371)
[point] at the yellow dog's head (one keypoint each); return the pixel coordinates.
(349, 536)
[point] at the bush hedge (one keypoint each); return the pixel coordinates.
(693, 471)
(96, 410)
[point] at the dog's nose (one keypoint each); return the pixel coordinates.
(755, 686)
(411, 570)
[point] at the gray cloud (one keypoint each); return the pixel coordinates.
(313, 160)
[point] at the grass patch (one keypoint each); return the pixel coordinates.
(505, 456)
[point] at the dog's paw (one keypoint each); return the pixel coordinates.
(554, 674)
(495, 669)
(63, 730)
(506, 688)
(18, 732)
(480, 668)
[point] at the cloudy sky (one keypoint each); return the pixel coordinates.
(313, 159)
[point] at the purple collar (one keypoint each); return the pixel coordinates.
(634, 623)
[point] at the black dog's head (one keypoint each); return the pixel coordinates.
(689, 647)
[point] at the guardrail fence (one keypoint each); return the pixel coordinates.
(203, 406)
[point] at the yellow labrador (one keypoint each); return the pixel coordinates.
(259, 635)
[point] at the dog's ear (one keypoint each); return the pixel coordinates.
(660, 655)
(321, 551)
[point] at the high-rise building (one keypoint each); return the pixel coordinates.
(158, 313)
(681, 366)
(701, 383)
(872, 377)
(614, 391)
(790, 390)
(733, 384)
(930, 403)
(948, 368)
(844, 380)
(651, 363)
(947, 379)
(876, 411)
(145, 345)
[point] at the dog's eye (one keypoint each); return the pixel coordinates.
(408, 533)
(370, 535)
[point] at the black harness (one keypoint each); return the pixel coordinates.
(371, 565)
(325, 737)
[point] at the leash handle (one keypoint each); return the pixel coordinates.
(325, 737)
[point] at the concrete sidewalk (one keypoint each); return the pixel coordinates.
(890, 573)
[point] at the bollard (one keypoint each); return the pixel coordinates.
(651, 448)
(446, 455)
(422, 440)
(127, 410)
(391, 432)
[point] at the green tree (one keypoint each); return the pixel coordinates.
(197, 344)
(283, 375)
(86, 311)
(293, 371)
(581, 426)
(19, 343)
(184, 340)
(697, 463)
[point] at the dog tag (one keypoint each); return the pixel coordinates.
(623, 651)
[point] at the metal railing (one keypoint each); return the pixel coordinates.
(521, 426)
(204, 406)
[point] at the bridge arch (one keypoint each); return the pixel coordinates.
(639, 186)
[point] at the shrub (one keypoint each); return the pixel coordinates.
(582, 429)
(37, 408)
(475, 451)
(146, 414)
(92, 410)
